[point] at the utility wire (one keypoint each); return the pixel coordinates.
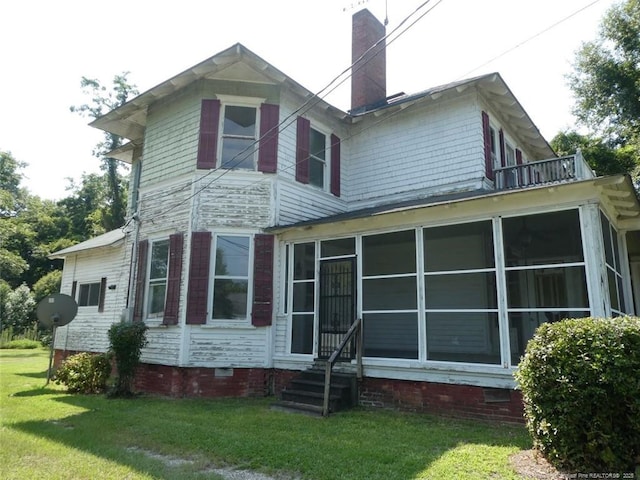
(306, 106)
(529, 39)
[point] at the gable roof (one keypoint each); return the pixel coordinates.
(235, 63)
(109, 239)
(496, 93)
(241, 64)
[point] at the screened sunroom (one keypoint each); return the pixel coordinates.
(455, 292)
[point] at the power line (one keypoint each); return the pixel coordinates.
(541, 32)
(307, 105)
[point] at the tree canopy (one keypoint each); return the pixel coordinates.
(606, 77)
(103, 100)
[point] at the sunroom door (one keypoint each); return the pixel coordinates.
(337, 305)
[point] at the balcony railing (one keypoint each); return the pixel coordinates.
(543, 172)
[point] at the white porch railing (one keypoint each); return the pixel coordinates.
(543, 172)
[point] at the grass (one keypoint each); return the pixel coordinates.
(47, 433)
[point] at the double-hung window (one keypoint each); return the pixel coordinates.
(158, 269)
(238, 137)
(89, 294)
(317, 158)
(231, 277)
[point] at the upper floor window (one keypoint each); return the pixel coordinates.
(238, 133)
(158, 269)
(317, 158)
(493, 143)
(238, 137)
(510, 155)
(231, 277)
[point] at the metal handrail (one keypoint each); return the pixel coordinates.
(355, 329)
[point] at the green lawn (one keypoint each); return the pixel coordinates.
(47, 433)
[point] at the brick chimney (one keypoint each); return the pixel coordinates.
(368, 76)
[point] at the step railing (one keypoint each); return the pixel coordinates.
(354, 331)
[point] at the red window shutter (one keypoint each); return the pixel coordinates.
(74, 286)
(262, 280)
(208, 141)
(141, 273)
(303, 131)
(198, 293)
(518, 157)
(268, 154)
(172, 302)
(335, 165)
(103, 291)
(503, 158)
(486, 133)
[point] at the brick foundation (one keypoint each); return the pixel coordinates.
(463, 401)
(203, 382)
(445, 399)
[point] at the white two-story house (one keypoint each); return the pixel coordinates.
(264, 222)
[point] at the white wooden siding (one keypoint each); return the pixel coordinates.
(236, 200)
(163, 346)
(166, 208)
(227, 347)
(281, 334)
(171, 140)
(88, 331)
(432, 148)
(296, 201)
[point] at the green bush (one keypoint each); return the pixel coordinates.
(127, 341)
(84, 373)
(21, 343)
(581, 388)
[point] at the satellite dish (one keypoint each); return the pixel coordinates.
(56, 310)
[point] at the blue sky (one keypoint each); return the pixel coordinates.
(48, 46)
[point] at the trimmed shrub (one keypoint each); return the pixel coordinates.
(84, 373)
(580, 381)
(127, 341)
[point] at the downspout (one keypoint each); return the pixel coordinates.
(127, 314)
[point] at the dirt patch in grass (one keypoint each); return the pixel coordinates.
(530, 464)
(225, 472)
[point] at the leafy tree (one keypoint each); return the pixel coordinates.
(11, 195)
(601, 156)
(606, 80)
(19, 310)
(87, 207)
(101, 102)
(48, 284)
(5, 290)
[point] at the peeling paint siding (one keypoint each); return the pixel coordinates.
(163, 346)
(171, 140)
(430, 147)
(227, 347)
(165, 209)
(88, 331)
(237, 200)
(281, 335)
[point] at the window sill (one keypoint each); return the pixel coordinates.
(228, 324)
